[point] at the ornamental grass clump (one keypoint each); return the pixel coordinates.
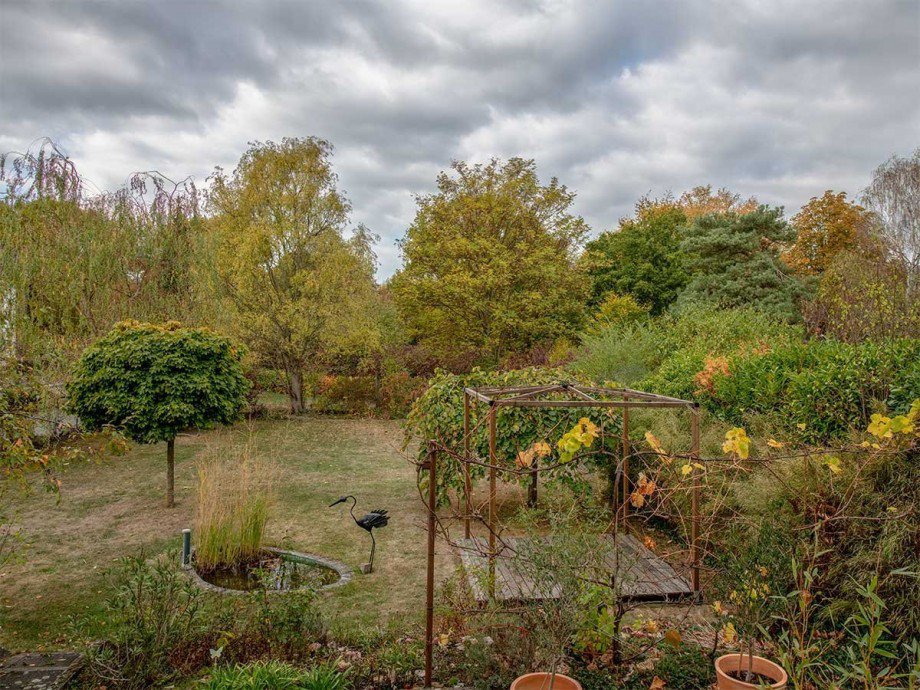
(234, 497)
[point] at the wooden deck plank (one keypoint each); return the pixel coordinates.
(664, 575)
(647, 576)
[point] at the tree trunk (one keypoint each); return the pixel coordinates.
(295, 390)
(171, 473)
(532, 489)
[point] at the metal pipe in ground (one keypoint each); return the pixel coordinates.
(186, 548)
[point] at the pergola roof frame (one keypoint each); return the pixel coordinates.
(580, 396)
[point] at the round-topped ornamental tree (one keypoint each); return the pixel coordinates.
(154, 381)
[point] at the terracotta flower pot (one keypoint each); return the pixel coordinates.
(730, 663)
(541, 681)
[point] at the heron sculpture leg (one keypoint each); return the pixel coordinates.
(370, 563)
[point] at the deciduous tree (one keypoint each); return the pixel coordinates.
(292, 286)
(826, 226)
(641, 258)
(490, 262)
(894, 197)
(701, 201)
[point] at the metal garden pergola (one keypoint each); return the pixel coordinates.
(557, 395)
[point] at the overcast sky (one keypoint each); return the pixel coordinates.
(776, 99)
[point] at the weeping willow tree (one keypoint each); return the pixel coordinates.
(73, 262)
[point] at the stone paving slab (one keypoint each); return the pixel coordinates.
(38, 671)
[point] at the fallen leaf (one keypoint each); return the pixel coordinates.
(673, 638)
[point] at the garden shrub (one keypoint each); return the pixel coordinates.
(885, 541)
(390, 396)
(686, 667)
(154, 611)
(855, 519)
(286, 625)
(664, 354)
(865, 295)
(346, 394)
(398, 392)
(831, 388)
(616, 310)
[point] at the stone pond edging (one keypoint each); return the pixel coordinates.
(346, 574)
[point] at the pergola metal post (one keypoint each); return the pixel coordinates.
(695, 499)
(429, 584)
(625, 464)
(467, 482)
(493, 410)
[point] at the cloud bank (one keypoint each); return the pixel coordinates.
(617, 99)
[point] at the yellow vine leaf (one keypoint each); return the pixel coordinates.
(833, 464)
(880, 426)
(673, 638)
(525, 458)
(914, 413)
(644, 487)
(656, 446)
(902, 424)
(581, 435)
(729, 634)
(737, 443)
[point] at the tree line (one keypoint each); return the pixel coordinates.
(498, 270)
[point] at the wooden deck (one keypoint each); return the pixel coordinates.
(644, 577)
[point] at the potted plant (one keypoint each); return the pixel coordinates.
(749, 616)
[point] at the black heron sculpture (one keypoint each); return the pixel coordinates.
(377, 518)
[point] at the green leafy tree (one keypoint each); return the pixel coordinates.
(641, 258)
(155, 381)
(293, 288)
(490, 262)
(734, 261)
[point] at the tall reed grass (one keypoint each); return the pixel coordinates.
(234, 497)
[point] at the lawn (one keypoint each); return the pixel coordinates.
(111, 509)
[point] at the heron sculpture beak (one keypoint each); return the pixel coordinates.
(342, 499)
